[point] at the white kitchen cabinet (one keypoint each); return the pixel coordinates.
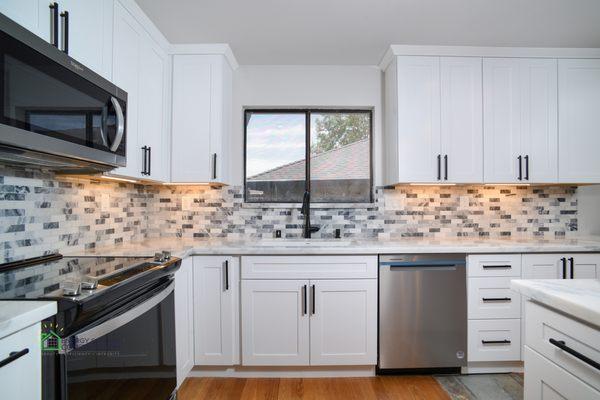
(275, 322)
(291, 319)
(561, 266)
(22, 378)
(547, 381)
(90, 33)
(140, 67)
(494, 340)
(33, 15)
(461, 119)
(184, 319)
(520, 120)
(216, 310)
(202, 102)
(579, 116)
(436, 134)
(343, 326)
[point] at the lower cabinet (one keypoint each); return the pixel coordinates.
(184, 319)
(561, 266)
(288, 321)
(216, 310)
(22, 377)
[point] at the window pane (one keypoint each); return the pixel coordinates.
(275, 157)
(340, 157)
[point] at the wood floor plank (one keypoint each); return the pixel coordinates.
(374, 388)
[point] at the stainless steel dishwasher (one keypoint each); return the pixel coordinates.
(422, 312)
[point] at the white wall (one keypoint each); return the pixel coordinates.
(296, 86)
(588, 205)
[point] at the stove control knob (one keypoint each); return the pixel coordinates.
(166, 255)
(89, 284)
(158, 257)
(71, 289)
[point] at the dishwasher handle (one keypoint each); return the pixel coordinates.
(433, 265)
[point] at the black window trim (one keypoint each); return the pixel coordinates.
(307, 112)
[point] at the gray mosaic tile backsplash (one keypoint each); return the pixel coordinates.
(41, 213)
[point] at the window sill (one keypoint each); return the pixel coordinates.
(312, 205)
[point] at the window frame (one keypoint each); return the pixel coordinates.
(307, 113)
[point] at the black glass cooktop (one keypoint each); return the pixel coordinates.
(51, 279)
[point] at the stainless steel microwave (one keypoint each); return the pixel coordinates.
(54, 112)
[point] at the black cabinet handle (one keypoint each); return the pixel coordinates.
(54, 24)
(564, 267)
(446, 167)
(226, 274)
(496, 341)
(144, 160)
(520, 177)
(497, 266)
(149, 172)
(65, 31)
(15, 355)
(572, 265)
(214, 166)
(313, 300)
(305, 298)
(439, 169)
(526, 168)
(561, 345)
(496, 299)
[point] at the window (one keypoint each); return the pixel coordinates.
(324, 151)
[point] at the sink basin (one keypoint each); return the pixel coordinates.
(303, 243)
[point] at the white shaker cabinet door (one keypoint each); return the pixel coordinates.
(275, 322)
(461, 119)
(585, 266)
(579, 120)
(216, 311)
(33, 15)
(90, 33)
(343, 322)
(501, 120)
(539, 119)
(545, 266)
(419, 141)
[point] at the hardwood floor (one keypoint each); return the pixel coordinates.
(375, 388)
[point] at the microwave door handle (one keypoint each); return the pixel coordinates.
(103, 127)
(88, 336)
(120, 124)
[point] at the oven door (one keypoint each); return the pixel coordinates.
(130, 355)
(51, 104)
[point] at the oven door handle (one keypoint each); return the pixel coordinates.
(88, 336)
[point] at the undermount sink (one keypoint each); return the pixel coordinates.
(303, 243)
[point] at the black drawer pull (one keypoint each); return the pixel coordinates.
(496, 299)
(15, 355)
(572, 265)
(561, 345)
(564, 267)
(497, 266)
(496, 341)
(305, 298)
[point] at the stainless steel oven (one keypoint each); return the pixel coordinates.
(54, 112)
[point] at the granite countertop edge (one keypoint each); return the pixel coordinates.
(16, 315)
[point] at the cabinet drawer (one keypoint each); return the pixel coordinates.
(494, 340)
(22, 378)
(543, 324)
(309, 267)
(546, 380)
(492, 298)
(494, 265)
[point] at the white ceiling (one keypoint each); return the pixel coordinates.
(359, 31)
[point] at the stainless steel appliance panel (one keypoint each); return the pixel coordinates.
(422, 311)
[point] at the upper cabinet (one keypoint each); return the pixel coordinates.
(520, 120)
(141, 68)
(433, 120)
(86, 33)
(202, 112)
(579, 120)
(83, 29)
(35, 15)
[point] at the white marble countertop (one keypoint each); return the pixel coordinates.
(577, 297)
(185, 247)
(16, 315)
